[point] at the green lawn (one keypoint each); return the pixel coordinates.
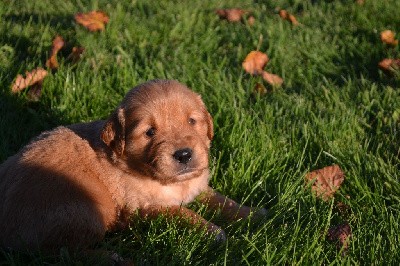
(335, 107)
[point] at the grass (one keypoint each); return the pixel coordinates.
(335, 107)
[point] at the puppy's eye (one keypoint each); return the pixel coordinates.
(151, 132)
(192, 121)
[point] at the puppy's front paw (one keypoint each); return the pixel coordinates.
(255, 213)
(220, 236)
(216, 231)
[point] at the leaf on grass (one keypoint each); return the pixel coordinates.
(360, 2)
(388, 38)
(255, 62)
(326, 181)
(232, 14)
(389, 66)
(251, 20)
(58, 43)
(289, 17)
(341, 235)
(272, 79)
(76, 54)
(36, 76)
(52, 62)
(93, 21)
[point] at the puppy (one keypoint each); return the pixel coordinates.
(71, 185)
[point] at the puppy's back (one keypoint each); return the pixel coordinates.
(51, 195)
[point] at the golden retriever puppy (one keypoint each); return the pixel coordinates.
(72, 184)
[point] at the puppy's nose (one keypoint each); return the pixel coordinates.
(183, 155)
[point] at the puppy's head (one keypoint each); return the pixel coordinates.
(161, 130)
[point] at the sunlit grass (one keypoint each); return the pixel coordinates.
(335, 107)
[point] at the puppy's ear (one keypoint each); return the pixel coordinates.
(209, 120)
(113, 133)
(210, 132)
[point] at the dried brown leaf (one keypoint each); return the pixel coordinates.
(255, 62)
(360, 2)
(93, 21)
(272, 79)
(251, 20)
(293, 20)
(36, 76)
(389, 66)
(232, 14)
(341, 235)
(283, 14)
(52, 62)
(289, 17)
(388, 38)
(326, 181)
(58, 43)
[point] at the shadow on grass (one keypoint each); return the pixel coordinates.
(54, 20)
(21, 120)
(26, 47)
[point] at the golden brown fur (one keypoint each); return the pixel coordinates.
(72, 184)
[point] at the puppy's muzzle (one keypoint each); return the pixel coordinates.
(183, 156)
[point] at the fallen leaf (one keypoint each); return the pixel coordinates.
(58, 43)
(36, 76)
(52, 62)
(341, 235)
(93, 21)
(255, 62)
(232, 14)
(76, 54)
(251, 20)
(272, 79)
(388, 38)
(389, 66)
(326, 181)
(289, 17)
(360, 2)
